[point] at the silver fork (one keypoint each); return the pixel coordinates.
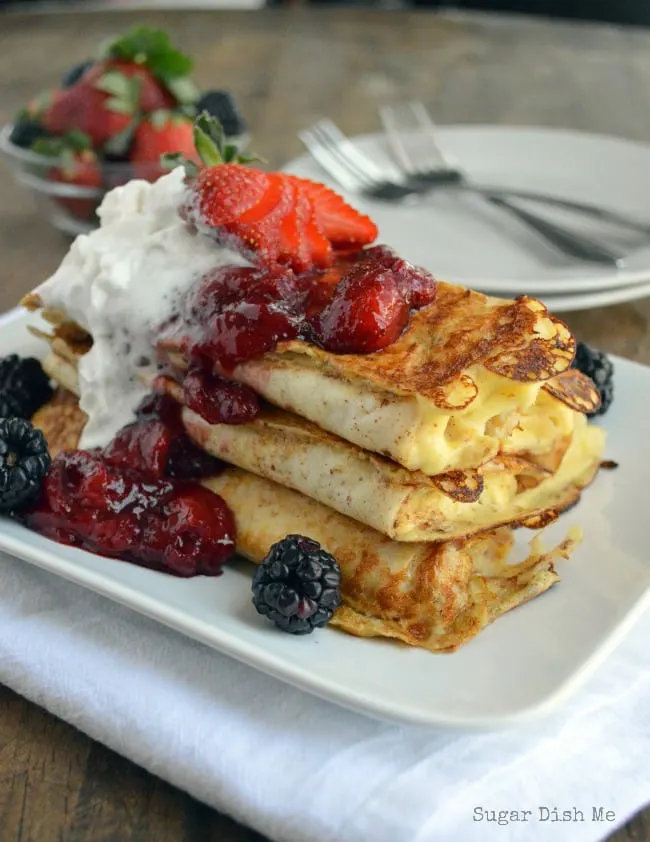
(412, 137)
(355, 172)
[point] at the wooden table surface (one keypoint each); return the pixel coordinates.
(286, 68)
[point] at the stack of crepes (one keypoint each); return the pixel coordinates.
(412, 465)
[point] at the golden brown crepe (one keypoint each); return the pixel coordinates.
(404, 505)
(443, 397)
(561, 454)
(472, 418)
(436, 596)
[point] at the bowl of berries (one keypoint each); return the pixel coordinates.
(111, 119)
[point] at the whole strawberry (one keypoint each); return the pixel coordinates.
(74, 163)
(100, 108)
(152, 94)
(156, 135)
(81, 170)
(164, 71)
(137, 73)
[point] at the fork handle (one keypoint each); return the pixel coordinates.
(570, 243)
(553, 201)
(425, 181)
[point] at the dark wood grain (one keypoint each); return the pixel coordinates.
(288, 67)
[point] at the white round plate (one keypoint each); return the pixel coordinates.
(463, 240)
(591, 300)
(512, 672)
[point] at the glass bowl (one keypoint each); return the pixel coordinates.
(72, 208)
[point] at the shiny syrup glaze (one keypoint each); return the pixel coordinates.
(360, 305)
(138, 499)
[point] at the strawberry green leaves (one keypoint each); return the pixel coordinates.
(171, 160)
(124, 91)
(210, 140)
(53, 147)
(212, 144)
(152, 48)
(184, 89)
(212, 147)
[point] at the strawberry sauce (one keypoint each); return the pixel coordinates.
(360, 305)
(138, 499)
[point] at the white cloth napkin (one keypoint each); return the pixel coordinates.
(297, 768)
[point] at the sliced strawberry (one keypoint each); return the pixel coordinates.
(343, 226)
(275, 193)
(322, 254)
(220, 195)
(276, 217)
(263, 237)
(320, 249)
(293, 233)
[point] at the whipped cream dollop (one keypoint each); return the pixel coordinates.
(120, 283)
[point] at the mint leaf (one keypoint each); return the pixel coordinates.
(139, 42)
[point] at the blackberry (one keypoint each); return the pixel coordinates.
(24, 386)
(596, 365)
(220, 104)
(298, 585)
(74, 73)
(24, 463)
(25, 131)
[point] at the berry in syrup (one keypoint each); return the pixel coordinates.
(359, 305)
(218, 400)
(128, 502)
(368, 312)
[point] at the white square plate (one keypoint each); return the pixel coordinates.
(522, 666)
